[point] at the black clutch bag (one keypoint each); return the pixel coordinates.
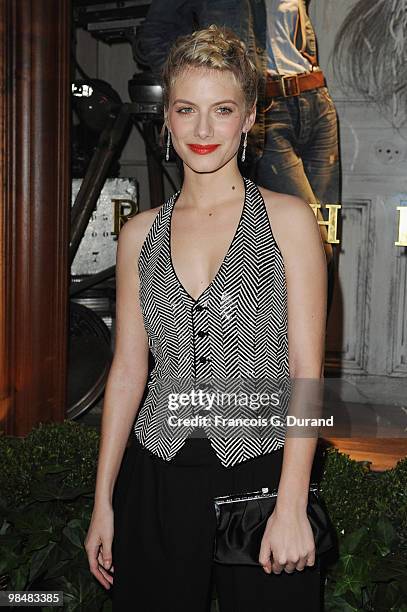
(241, 521)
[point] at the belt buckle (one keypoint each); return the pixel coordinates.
(297, 85)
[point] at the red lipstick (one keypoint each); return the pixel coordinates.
(203, 149)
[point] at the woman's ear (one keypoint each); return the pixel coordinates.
(166, 118)
(250, 118)
(163, 128)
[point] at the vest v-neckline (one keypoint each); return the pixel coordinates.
(217, 275)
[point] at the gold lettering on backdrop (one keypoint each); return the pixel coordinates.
(402, 237)
(120, 215)
(332, 223)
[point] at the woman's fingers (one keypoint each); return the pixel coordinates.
(278, 565)
(305, 559)
(100, 560)
(92, 552)
(311, 558)
(98, 545)
(106, 575)
(106, 553)
(106, 572)
(289, 567)
(264, 556)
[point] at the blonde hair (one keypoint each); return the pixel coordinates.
(215, 47)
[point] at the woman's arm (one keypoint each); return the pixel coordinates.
(297, 234)
(124, 391)
(128, 373)
(296, 231)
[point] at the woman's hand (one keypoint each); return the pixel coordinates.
(98, 544)
(289, 540)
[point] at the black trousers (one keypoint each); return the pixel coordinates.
(164, 530)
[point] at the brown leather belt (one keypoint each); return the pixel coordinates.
(293, 85)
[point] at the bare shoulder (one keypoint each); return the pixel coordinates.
(292, 220)
(135, 230)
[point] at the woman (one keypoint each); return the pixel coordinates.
(213, 283)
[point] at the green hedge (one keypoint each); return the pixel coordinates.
(369, 512)
(46, 499)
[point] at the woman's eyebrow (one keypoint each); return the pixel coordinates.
(214, 104)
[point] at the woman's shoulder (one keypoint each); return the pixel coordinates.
(135, 230)
(291, 218)
(285, 205)
(143, 219)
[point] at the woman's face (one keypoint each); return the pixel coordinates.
(206, 117)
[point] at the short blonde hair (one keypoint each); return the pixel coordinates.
(215, 47)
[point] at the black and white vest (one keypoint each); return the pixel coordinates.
(229, 344)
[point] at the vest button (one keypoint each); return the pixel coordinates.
(203, 359)
(202, 334)
(199, 308)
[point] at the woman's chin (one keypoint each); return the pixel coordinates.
(203, 166)
(206, 166)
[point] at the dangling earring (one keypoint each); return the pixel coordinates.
(244, 147)
(167, 154)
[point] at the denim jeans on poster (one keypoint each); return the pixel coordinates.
(301, 147)
(300, 154)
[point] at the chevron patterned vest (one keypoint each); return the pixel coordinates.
(229, 344)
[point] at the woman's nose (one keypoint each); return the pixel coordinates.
(203, 127)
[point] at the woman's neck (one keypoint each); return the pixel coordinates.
(204, 190)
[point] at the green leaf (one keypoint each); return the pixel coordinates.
(385, 536)
(108, 606)
(387, 597)
(19, 578)
(81, 591)
(36, 541)
(392, 567)
(38, 561)
(9, 560)
(75, 533)
(50, 491)
(33, 519)
(11, 541)
(54, 469)
(351, 542)
(349, 582)
(339, 604)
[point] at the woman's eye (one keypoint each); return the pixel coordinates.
(184, 108)
(225, 110)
